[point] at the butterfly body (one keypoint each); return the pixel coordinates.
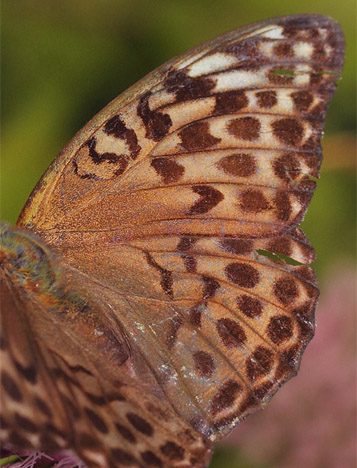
(168, 323)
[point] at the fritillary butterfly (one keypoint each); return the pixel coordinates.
(142, 314)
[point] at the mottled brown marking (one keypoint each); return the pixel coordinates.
(238, 165)
(29, 372)
(197, 136)
(190, 263)
(188, 88)
(231, 333)
(210, 287)
(280, 329)
(168, 169)
(195, 315)
(140, 424)
(288, 362)
(157, 125)
(249, 402)
(166, 276)
(125, 433)
(261, 391)
(186, 242)
(302, 100)
(25, 424)
(10, 387)
(267, 99)
(172, 451)
(43, 407)
(304, 315)
(242, 274)
(250, 306)
(260, 363)
(96, 420)
(230, 102)
(300, 28)
(173, 328)
(283, 49)
(71, 408)
(237, 246)
(253, 201)
(226, 396)
(120, 456)
(288, 130)
(116, 127)
(209, 198)
(151, 459)
(204, 363)
(280, 245)
(86, 440)
(283, 206)
(244, 128)
(286, 290)
(286, 167)
(49, 442)
(247, 51)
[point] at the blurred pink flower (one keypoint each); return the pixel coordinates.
(311, 422)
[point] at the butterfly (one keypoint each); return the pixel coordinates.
(149, 301)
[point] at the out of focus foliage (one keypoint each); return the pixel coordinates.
(63, 61)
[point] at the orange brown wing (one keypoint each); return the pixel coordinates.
(163, 203)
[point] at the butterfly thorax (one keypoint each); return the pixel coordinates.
(29, 263)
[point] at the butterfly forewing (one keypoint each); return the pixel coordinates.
(166, 211)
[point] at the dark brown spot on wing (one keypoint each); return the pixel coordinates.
(187, 88)
(140, 424)
(11, 387)
(190, 262)
(209, 198)
(288, 131)
(283, 49)
(157, 125)
(174, 327)
(168, 169)
(195, 315)
(259, 363)
(166, 276)
(226, 396)
(116, 127)
(286, 290)
(283, 206)
(186, 242)
(151, 459)
(253, 201)
(96, 420)
(237, 246)
(302, 100)
(25, 424)
(250, 306)
(197, 136)
(204, 363)
(172, 451)
(287, 167)
(210, 287)
(29, 372)
(239, 165)
(267, 99)
(125, 432)
(242, 274)
(231, 333)
(230, 102)
(244, 128)
(280, 328)
(120, 456)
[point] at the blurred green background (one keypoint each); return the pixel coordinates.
(62, 61)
